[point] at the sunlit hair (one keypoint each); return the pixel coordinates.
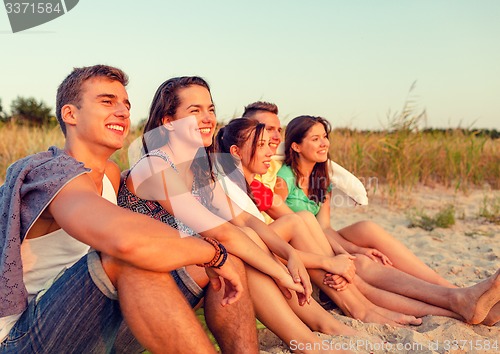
(295, 132)
(237, 132)
(259, 106)
(165, 103)
(70, 90)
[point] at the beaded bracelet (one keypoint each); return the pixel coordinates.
(224, 256)
(220, 256)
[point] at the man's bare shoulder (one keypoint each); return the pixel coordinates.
(76, 191)
(46, 223)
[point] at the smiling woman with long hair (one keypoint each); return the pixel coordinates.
(174, 183)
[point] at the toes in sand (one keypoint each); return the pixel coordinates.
(486, 301)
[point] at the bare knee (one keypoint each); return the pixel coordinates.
(362, 263)
(296, 225)
(363, 233)
(367, 226)
(293, 219)
(307, 216)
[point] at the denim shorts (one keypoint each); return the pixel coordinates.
(188, 287)
(79, 313)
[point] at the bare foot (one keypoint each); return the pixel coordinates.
(401, 318)
(485, 301)
(409, 320)
(493, 316)
(376, 314)
(344, 330)
(372, 316)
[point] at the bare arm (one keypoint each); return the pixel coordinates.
(278, 208)
(131, 237)
(341, 264)
(336, 241)
(275, 243)
(280, 248)
(336, 265)
(281, 188)
(170, 191)
(243, 218)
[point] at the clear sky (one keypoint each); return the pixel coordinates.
(349, 61)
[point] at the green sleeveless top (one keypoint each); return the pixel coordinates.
(296, 200)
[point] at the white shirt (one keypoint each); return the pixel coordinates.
(47, 256)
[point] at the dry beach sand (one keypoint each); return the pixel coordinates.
(465, 253)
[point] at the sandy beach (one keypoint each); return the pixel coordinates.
(465, 253)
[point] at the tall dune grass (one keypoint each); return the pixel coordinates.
(402, 159)
(405, 155)
(399, 159)
(17, 141)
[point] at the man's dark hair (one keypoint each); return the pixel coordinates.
(259, 106)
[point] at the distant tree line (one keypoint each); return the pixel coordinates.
(492, 133)
(28, 111)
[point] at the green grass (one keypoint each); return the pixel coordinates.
(444, 218)
(200, 313)
(490, 210)
(398, 158)
(407, 154)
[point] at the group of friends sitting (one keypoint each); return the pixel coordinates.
(95, 259)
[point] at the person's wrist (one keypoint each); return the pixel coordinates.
(363, 250)
(220, 255)
(324, 262)
(353, 248)
(292, 253)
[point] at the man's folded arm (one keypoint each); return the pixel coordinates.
(132, 237)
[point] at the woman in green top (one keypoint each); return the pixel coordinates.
(244, 151)
(304, 183)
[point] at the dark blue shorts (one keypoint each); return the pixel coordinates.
(79, 313)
